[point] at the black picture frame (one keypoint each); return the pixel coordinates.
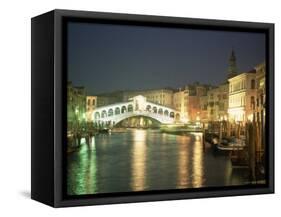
(48, 70)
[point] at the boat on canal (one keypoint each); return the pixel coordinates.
(231, 144)
(104, 131)
(180, 129)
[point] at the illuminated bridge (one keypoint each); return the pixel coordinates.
(137, 106)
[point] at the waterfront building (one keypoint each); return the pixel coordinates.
(212, 108)
(217, 108)
(180, 102)
(187, 100)
(204, 109)
(163, 96)
(76, 105)
(91, 104)
(242, 97)
(196, 93)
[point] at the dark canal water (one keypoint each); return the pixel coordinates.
(137, 160)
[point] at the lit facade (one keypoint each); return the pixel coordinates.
(196, 93)
(204, 109)
(91, 104)
(180, 102)
(242, 96)
(188, 101)
(217, 108)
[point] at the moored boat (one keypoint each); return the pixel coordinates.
(231, 144)
(105, 130)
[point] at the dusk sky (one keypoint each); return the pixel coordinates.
(106, 58)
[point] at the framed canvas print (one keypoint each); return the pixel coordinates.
(131, 108)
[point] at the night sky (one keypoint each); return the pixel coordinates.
(106, 58)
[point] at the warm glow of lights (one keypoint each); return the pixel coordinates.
(197, 180)
(141, 121)
(250, 117)
(236, 114)
(139, 160)
(225, 117)
(183, 161)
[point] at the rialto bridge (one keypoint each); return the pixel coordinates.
(137, 106)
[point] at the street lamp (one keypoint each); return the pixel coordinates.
(250, 117)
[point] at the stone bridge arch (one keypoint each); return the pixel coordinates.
(138, 106)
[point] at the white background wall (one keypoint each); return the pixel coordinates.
(15, 106)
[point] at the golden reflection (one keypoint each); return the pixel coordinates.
(138, 160)
(197, 180)
(183, 161)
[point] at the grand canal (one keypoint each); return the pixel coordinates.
(138, 159)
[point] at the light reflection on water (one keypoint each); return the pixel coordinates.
(85, 170)
(137, 160)
(183, 161)
(197, 161)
